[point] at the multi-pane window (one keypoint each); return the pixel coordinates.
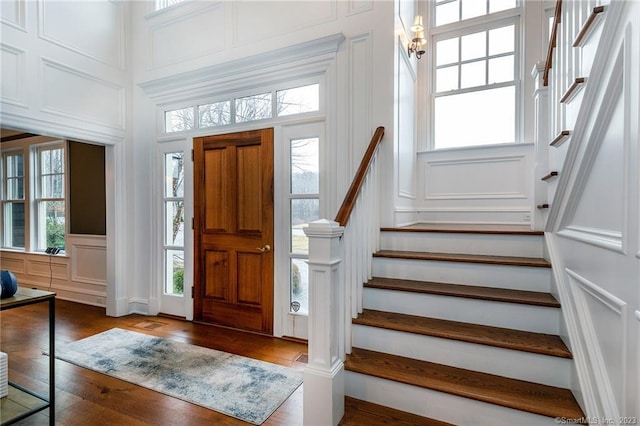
(162, 4)
(13, 200)
(304, 198)
(49, 201)
(475, 74)
(173, 201)
(260, 106)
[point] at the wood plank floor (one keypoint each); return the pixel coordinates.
(85, 397)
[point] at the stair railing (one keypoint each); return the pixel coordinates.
(340, 254)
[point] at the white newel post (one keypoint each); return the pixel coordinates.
(324, 375)
(542, 137)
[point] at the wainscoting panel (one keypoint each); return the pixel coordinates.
(83, 36)
(179, 37)
(13, 72)
(79, 275)
(17, 266)
(602, 329)
(88, 259)
(596, 211)
(475, 178)
(490, 184)
(72, 93)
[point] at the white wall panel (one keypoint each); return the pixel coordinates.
(602, 327)
(75, 94)
(597, 212)
(88, 259)
(360, 98)
(187, 36)
(258, 20)
(12, 12)
(70, 25)
(476, 178)
(359, 6)
(13, 74)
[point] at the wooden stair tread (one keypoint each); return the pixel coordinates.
(521, 395)
(464, 229)
(467, 258)
(467, 291)
(358, 412)
(526, 341)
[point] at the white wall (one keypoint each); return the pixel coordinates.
(65, 73)
(594, 221)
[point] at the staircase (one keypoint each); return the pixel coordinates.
(459, 325)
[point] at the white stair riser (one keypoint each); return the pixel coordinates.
(438, 405)
(500, 276)
(498, 314)
(544, 369)
(490, 244)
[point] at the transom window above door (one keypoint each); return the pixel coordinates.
(260, 106)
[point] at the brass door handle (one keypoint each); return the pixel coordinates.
(265, 249)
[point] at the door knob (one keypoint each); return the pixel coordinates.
(265, 249)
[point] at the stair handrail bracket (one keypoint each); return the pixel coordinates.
(340, 254)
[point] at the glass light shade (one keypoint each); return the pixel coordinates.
(419, 38)
(417, 24)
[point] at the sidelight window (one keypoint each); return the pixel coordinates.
(304, 198)
(173, 201)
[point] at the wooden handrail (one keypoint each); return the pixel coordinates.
(557, 18)
(349, 201)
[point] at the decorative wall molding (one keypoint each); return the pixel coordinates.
(355, 7)
(88, 259)
(597, 106)
(13, 74)
(175, 38)
(291, 62)
(580, 288)
(610, 240)
(360, 97)
(13, 14)
(249, 25)
(56, 79)
(503, 170)
(58, 32)
(54, 128)
(17, 266)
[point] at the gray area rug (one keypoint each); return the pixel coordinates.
(241, 387)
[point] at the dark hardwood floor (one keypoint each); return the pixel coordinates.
(85, 397)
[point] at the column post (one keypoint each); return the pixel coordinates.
(324, 386)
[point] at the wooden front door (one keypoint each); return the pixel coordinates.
(233, 230)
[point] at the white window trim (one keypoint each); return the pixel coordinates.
(36, 191)
(468, 26)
